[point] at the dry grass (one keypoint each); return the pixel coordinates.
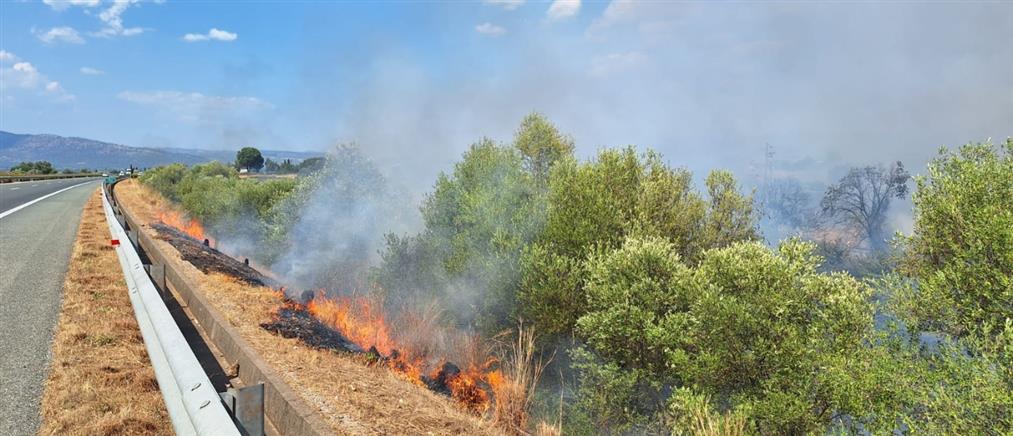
(515, 392)
(100, 380)
(351, 397)
(705, 423)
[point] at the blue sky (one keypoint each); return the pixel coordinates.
(413, 83)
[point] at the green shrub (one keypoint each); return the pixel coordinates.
(592, 207)
(961, 252)
(231, 207)
(478, 219)
(750, 328)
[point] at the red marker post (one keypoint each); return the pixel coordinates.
(115, 242)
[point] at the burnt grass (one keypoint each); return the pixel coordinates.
(293, 321)
(208, 259)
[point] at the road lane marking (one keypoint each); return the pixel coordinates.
(17, 208)
(15, 188)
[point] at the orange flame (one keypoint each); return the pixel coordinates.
(363, 322)
(186, 225)
(356, 318)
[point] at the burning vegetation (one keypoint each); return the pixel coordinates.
(357, 324)
(188, 226)
(195, 248)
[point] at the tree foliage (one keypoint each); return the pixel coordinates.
(478, 219)
(961, 252)
(541, 145)
(759, 333)
(861, 199)
(249, 158)
(37, 167)
(214, 194)
(955, 287)
(594, 206)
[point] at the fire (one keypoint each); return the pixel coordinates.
(362, 321)
(186, 225)
(356, 318)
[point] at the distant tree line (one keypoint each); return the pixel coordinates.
(37, 167)
(45, 167)
(251, 159)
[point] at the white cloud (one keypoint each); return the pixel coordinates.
(490, 29)
(6, 56)
(193, 106)
(111, 16)
(656, 20)
(213, 34)
(563, 9)
(24, 76)
(60, 34)
(616, 63)
(505, 4)
(60, 5)
(89, 71)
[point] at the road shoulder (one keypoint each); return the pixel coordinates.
(100, 380)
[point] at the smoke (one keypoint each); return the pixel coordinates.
(707, 85)
(342, 213)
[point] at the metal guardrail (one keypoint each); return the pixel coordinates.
(8, 178)
(194, 405)
(280, 404)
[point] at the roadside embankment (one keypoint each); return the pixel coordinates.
(351, 397)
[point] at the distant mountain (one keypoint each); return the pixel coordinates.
(73, 152)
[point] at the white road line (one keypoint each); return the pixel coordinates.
(17, 208)
(15, 188)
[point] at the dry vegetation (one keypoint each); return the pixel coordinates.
(515, 392)
(100, 381)
(351, 397)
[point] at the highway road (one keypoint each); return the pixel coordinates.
(38, 224)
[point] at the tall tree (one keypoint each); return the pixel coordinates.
(862, 198)
(249, 158)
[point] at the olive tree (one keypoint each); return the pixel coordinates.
(593, 206)
(761, 334)
(478, 219)
(961, 252)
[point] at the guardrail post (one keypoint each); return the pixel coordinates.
(132, 236)
(157, 273)
(247, 407)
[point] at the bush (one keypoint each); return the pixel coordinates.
(478, 219)
(956, 286)
(752, 329)
(592, 207)
(231, 207)
(39, 167)
(961, 252)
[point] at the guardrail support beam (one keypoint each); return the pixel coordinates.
(247, 407)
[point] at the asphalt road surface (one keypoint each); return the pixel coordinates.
(35, 246)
